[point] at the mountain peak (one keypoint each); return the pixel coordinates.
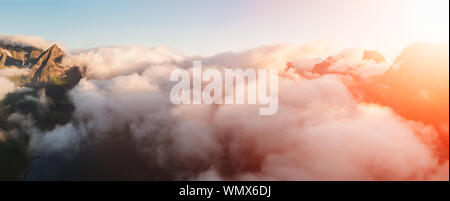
(373, 55)
(48, 68)
(55, 47)
(53, 54)
(54, 50)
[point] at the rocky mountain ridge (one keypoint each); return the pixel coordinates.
(18, 56)
(46, 66)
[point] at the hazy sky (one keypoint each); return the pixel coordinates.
(207, 26)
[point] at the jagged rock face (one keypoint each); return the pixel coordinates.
(18, 56)
(48, 68)
(374, 56)
(2, 57)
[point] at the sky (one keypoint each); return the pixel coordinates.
(205, 27)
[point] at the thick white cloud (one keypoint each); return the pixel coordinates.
(6, 87)
(108, 62)
(319, 133)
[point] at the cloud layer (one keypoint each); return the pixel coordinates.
(321, 131)
(26, 41)
(7, 86)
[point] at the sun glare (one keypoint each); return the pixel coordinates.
(433, 18)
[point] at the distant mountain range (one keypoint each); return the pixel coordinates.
(46, 66)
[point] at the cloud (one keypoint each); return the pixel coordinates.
(350, 61)
(59, 139)
(27, 41)
(321, 132)
(271, 56)
(6, 87)
(11, 72)
(108, 62)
